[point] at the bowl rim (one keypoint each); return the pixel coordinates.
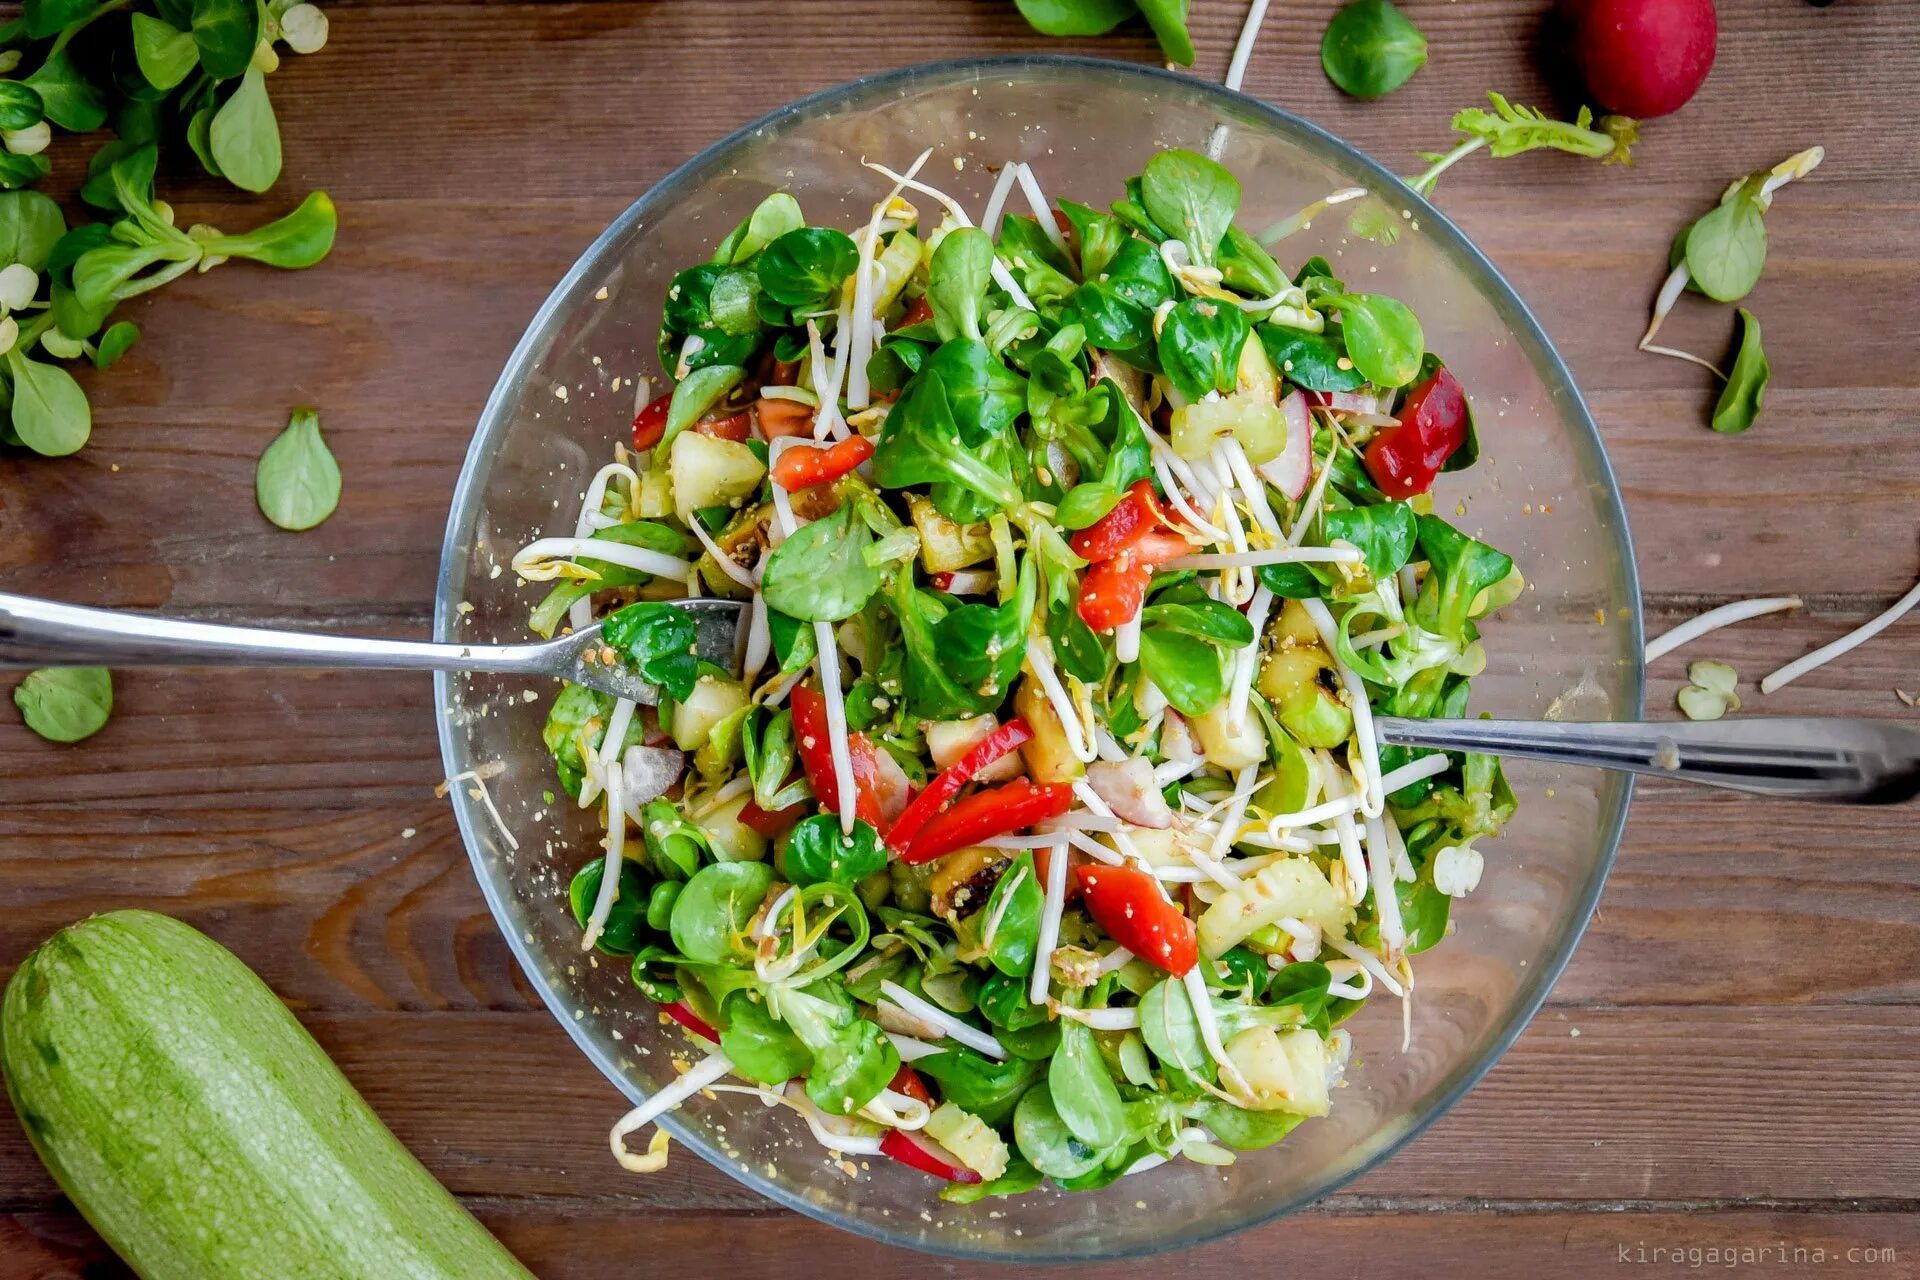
(494, 418)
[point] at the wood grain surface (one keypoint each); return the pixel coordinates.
(1732, 1062)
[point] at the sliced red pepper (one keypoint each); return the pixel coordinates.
(735, 427)
(682, 1012)
(803, 465)
(1404, 460)
(940, 581)
(651, 422)
(922, 1154)
(1112, 590)
(906, 1080)
(1128, 904)
(918, 312)
(816, 757)
(778, 417)
(1132, 518)
(773, 824)
(947, 785)
(994, 811)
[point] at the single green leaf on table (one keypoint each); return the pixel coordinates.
(164, 53)
(821, 574)
(30, 225)
(70, 99)
(657, 640)
(1727, 248)
(1193, 197)
(299, 239)
(1370, 49)
(114, 343)
(1168, 18)
(245, 136)
(46, 17)
(227, 32)
(22, 171)
(1076, 17)
(20, 106)
(199, 129)
(297, 481)
(65, 704)
(1746, 389)
(50, 412)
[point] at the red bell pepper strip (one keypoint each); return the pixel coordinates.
(947, 785)
(802, 466)
(816, 757)
(682, 1012)
(651, 422)
(1131, 519)
(1128, 904)
(921, 1153)
(994, 811)
(906, 1080)
(735, 426)
(1113, 590)
(918, 311)
(1404, 460)
(775, 823)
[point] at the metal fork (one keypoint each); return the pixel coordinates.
(1797, 757)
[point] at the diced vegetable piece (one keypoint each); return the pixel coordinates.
(1292, 888)
(1048, 757)
(710, 473)
(713, 699)
(1232, 749)
(733, 840)
(200, 1129)
(1286, 1070)
(970, 1141)
(944, 545)
(1300, 683)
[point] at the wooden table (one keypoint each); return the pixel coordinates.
(1732, 1060)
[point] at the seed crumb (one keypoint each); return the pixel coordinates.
(406, 833)
(600, 294)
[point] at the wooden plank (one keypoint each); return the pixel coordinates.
(1637, 1104)
(573, 1242)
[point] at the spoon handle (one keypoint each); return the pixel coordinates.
(43, 633)
(1791, 757)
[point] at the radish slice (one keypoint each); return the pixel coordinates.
(1128, 788)
(925, 1155)
(682, 1012)
(648, 772)
(1292, 470)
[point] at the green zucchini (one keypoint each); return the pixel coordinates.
(202, 1131)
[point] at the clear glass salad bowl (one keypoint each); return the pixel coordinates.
(1543, 492)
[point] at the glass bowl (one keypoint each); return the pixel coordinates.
(1544, 492)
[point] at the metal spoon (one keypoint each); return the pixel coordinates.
(1798, 757)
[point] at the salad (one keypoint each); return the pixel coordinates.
(1044, 835)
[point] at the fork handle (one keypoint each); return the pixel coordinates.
(1792, 757)
(44, 633)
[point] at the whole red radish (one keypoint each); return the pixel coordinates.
(1642, 58)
